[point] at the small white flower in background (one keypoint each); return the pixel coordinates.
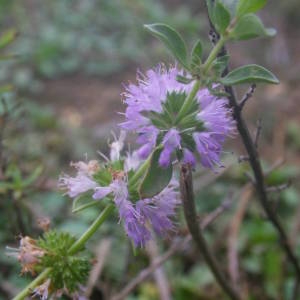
(132, 161)
(117, 146)
(83, 181)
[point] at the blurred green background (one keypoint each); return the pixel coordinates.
(71, 59)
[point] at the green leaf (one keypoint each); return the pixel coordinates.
(231, 5)
(221, 17)
(210, 7)
(7, 38)
(220, 64)
(196, 57)
(249, 74)
(250, 26)
(172, 40)
(156, 178)
(197, 52)
(249, 6)
(80, 204)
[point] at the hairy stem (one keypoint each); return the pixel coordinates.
(187, 195)
(30, 287)
(79, 244)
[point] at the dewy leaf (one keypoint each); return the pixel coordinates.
(156, 178)
(249, 6)
(172, 40)
(249, 74)
(221, 17)
(250, 26)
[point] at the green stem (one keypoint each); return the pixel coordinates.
(78, 245)
(213, 55)
(30, 287)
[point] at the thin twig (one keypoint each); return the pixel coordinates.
(278, 188)
(257, 171)
(159, 274)
(102, 252)
(177, 245)
(247, 96)
(187, 195)
(233, 263)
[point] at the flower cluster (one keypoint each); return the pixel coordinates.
(139, 216)
(29, 254)
(152, 111)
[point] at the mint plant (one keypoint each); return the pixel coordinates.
(180, 114)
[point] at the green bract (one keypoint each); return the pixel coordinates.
(68, 271)
(156, 178)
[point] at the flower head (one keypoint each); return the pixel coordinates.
(152, 111)
(28, 254)
(139, 217)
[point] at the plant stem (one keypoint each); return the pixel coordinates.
(30, 287)
(213, 55)
(255, 163)
(79, 244)
(187, 195)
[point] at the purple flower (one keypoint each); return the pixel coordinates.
(159, 210)
(170, 142)
(152, 112)
(83, 181)
(138, 218)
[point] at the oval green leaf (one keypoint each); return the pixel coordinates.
(246, 6)
(221, 17)
(172, 40)
(249, 74)
(156, 178)
(250, 26)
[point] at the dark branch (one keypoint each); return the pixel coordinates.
(187, 195)
(257, 134)
(257, 170)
